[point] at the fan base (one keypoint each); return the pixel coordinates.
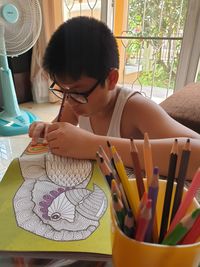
(15, 125)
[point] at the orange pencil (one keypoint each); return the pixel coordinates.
(137, 169)
(148, 161)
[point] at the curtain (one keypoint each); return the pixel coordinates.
(51, 18)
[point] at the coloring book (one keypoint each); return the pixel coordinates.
(53, 204)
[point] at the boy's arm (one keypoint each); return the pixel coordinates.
(147, 116)
(67, 140)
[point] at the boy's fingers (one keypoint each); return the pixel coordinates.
(37, 133)
(45, 133)
(54, 126)
(31, 128)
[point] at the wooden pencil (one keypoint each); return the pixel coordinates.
(124, 180)
(187, 200)
(181, 229)
(148, 161)
(194, 233)
(115, 188)
(124, 198)
(129, 224)
(181, 177)
(153, 194)
(143, 221)
(105, 169)
(111, 155)
(105, 156)
(61, 107)
(137, 169)
(109, 162)
(119, 210)
(169, 189)
(142, 203)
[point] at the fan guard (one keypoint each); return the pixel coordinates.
(22, 31)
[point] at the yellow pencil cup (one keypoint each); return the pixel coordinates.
(127, 252)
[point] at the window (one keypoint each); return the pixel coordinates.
(157, 54)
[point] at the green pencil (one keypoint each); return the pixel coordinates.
(181, 229)
(129, 226)
(119, 210)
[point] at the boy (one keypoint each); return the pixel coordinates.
(82, 60)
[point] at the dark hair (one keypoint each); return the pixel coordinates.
(81, 46)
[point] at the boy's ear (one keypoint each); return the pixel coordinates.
(112, 78)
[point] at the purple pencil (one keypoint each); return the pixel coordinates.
(153, 194)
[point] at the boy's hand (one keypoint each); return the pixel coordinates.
(65, 139)
(38, 130)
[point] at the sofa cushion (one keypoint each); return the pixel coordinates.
(184, 106)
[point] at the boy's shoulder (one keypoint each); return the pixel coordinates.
(138, 105)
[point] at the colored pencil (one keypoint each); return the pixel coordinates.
(181, 177)
(119, 210)
(129, 225)
(181, 229)
(194, 233)
(169, 189)
(124, 180)
(142, 203)
(187, 200)
(105, 169)
(124, 198)
(104, 155)
(148, 161)
(111, 155)
(137, 169)
(109, 162)
(61, 107)
(153, 194)
(115, 188)
(143, 221)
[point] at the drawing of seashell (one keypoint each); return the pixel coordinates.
(90, 204)
(67, 172)
(75, 196)
(61, 208)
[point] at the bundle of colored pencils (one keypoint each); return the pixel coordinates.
(138, 218)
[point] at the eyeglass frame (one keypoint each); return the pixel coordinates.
(70, 94)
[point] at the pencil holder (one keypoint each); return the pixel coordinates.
(127, 252)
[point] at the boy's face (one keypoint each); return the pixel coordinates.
(86, 95)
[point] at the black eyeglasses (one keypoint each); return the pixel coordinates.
(81, 98)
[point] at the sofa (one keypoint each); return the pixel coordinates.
(184, 106)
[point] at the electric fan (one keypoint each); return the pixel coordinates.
(20, 25)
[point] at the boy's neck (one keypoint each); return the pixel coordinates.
(107, 111)
(100, 121)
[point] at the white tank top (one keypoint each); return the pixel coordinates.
(115, 123)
